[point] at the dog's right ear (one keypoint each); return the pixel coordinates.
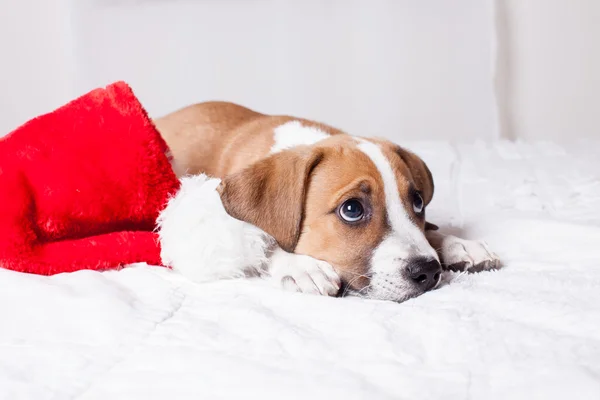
(270, 193)
(420, 173)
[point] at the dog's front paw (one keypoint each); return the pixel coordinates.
(300, 273)
(467, 255)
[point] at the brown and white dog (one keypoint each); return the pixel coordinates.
(346, 212)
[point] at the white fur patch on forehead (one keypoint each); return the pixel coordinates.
(403, 228)
(396, 212)
(293, 133)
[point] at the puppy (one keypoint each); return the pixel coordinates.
(347, 213)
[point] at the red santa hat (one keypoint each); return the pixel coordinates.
(82, 186)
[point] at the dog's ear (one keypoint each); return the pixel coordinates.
(270, 194)
(420, 173)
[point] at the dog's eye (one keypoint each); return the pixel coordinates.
(418, 204)
(352, 210)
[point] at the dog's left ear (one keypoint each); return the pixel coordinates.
(270, 194)
(420, 173)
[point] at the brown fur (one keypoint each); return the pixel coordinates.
(271, 193)
(220, 138)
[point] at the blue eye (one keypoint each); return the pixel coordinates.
(418, 204)
(352, 210)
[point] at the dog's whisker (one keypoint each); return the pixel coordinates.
(348, 285)
(363, 289)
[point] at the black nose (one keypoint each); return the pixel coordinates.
(425, 273)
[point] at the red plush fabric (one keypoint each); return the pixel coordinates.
(81, 187)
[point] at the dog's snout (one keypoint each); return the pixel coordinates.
(425, 273)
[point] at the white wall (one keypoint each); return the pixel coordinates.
(394, 68)
(398, 68)
(552, 68)
(35, 59)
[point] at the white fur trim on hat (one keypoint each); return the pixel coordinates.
(201, 241)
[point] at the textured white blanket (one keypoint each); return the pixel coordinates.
(531, 330)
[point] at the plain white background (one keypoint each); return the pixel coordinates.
(427, 69)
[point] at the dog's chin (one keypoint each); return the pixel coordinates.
(395, 296)
(386, 291)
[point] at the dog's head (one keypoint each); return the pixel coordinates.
(358, 204)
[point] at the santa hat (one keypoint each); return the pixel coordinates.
(82, 186)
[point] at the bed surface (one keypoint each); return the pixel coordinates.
(531, 330)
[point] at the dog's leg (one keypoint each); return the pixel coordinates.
(458, 254)
(300, 273)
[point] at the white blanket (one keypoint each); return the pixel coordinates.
(530, 330)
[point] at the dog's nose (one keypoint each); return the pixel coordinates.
(425, 273)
